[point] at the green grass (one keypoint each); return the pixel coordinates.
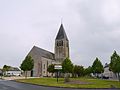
(92, 83)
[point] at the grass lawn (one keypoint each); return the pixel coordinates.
(90, 82)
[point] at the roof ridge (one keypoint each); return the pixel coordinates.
(43, 49)
(41, 52)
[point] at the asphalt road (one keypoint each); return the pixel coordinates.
(11, 85)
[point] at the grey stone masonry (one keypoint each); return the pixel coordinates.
(61, 45)
(43, 58)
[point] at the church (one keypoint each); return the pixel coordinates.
(43, 58)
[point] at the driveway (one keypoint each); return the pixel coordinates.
(11, 85)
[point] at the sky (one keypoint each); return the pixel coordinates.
(92, 26)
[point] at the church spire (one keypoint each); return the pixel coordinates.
(61, 45)
(61, 34)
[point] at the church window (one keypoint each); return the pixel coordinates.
(44, 66)
(59, 43)
(44, 71)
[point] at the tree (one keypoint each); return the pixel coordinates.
(51, 69)
(27, 65)
(88, 71)
(114, 58)
(5, 69)
(67, 67)
(1, 73)
(78, 70)
(97, 67)
(115, 64)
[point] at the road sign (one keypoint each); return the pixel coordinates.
(58, 67)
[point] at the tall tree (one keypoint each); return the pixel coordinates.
(88, 71)
(78, 70)
(67, 67)
(97, 67)
(27, 65)
(115, 64)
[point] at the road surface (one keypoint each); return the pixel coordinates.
(11, 85)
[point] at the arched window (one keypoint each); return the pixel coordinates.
(44, 66)
(59, 43)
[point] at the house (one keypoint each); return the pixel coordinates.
(13, 71)
(107, 73)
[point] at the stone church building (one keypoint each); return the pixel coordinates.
(43, 58)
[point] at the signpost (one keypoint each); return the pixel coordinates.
(57, 67)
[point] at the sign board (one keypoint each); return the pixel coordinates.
(58, 67)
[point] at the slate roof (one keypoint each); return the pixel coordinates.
(14, 69)
(61, 34)
(106, 65)
(39, 52)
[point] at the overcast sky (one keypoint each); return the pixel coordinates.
(92, 26)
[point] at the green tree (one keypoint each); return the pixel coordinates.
(27, 65)
(5, 69)
(115, 64)
(97, 67)
(114, 58)
(51, 69)
(67, 67)
(78, 70)
(88, 71)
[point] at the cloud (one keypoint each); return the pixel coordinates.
(110, 11)
(92, 26)
(99, 34)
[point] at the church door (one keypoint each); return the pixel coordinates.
(32, 73)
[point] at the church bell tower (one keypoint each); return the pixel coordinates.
(61, 45)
